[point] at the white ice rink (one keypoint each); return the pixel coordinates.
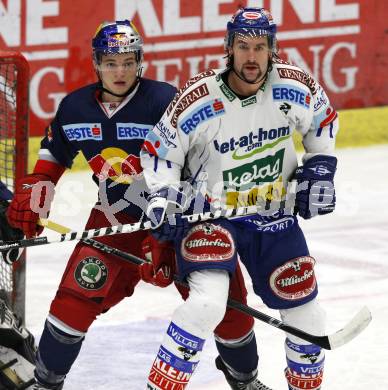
(351, 249)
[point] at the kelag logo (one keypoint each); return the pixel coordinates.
(292, 94)
(203, 113)
(261, 171)
(83, 131)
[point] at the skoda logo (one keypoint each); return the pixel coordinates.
(91, 273)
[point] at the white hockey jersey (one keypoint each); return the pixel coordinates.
(239, 150)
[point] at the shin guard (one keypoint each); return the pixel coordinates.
(305, 365)
(239, 356)
(176, 361)
(57, 352)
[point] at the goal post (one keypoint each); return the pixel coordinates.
(14, 106)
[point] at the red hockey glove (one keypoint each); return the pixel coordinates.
(32, 197)
(30, 202)
(160, 268)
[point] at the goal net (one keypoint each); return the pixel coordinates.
(14, 77)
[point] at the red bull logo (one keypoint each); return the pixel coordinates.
(118, 40)
(117, 165)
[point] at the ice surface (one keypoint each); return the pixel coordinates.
(351, 249)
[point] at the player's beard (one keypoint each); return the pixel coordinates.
(251, 79)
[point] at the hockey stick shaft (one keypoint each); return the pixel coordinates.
(127, 228)
(341, 337)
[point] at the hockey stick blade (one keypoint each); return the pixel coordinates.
(358, 323)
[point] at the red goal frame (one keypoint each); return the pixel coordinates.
(16, 137)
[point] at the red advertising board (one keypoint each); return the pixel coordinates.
(343, 43)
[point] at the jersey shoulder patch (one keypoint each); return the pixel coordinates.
(189, 84)
(191, 96)
(287, 72)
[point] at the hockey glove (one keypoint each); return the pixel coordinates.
(32, 198)
(315, 191)
(165, 209)
(7, 233)
(160, 268)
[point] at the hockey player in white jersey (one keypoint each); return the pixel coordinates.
(229, 134)
(107, 121)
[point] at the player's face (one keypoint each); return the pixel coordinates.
(118, 72)
(250, 56)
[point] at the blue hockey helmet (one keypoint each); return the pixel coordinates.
(117, 37)
(252, 22)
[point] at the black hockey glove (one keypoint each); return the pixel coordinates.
(8, 233)
(315, 191)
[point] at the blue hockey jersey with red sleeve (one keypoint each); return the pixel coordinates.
(110, 140)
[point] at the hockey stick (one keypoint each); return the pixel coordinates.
(333, 341)
(127, 228)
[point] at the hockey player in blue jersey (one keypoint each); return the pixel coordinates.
(230, 137)
(107, 122)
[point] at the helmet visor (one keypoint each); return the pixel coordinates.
(111, 66)
(249, 37)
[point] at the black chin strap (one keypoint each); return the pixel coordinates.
(101, 88)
